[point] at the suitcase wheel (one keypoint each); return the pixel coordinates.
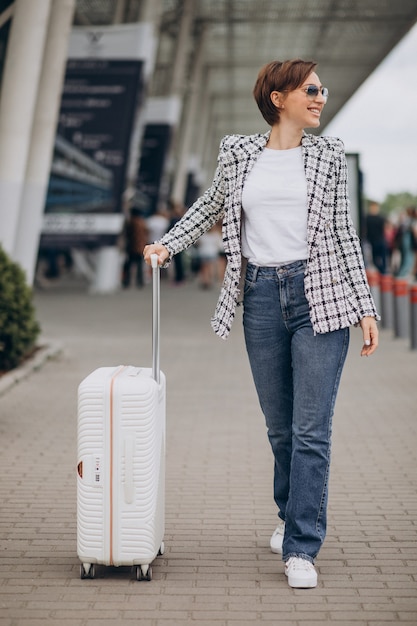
(87, 570)
(144, 572)
(161, 549)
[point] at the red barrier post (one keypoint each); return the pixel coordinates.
(401, 309)
(413, 316)
(387, 312)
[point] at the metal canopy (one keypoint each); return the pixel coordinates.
(348, 38)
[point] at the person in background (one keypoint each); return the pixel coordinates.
(406, 243)
(209, 246)
(136, 237)
(176, 211)
(390, 232)
(294, 261)
(157, 224)
(413, 226)
(375, 235)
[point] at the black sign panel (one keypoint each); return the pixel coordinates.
(99, 102)
(155, 146)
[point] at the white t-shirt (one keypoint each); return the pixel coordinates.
(274, 201)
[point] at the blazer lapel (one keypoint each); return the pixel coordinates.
(313, 165)
(246, 154)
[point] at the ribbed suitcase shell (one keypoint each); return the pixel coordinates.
(121, 467)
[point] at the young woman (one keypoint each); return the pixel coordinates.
(294, 258)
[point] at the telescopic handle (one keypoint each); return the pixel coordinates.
(156, 318)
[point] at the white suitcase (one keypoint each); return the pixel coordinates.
(121, 463)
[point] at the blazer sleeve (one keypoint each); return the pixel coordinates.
(348, 243)
(200, 217)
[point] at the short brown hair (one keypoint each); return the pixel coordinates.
(279, 76)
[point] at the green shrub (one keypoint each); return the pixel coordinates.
(18, 326)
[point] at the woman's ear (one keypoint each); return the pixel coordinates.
(276, 98)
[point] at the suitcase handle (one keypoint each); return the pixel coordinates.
(156, 317)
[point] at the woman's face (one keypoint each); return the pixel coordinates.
(301, 108)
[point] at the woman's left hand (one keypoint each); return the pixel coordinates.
(370, 335)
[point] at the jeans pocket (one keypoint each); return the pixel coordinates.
(248, 286)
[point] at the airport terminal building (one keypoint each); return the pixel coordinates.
(105, 103)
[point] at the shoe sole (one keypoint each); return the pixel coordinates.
(299, 585)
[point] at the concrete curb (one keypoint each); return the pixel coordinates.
(47, 349)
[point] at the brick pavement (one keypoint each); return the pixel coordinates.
(217, 569)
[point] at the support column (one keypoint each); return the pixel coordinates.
(175, 91)
(119, 12)
(151, 11)
(177, 85)
(17, 106)
(43, 135)
(180, 62)
(202, 130)
(179, 187)
(211, 150)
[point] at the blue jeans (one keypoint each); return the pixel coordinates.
(296, 374)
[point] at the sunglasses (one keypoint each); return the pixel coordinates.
(313, 91)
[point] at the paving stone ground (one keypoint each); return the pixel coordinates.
(217, 569)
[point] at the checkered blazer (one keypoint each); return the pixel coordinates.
(335, 281)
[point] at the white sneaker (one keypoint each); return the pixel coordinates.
(301, 573)
(277, 538)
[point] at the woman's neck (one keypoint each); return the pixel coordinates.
(282, 138)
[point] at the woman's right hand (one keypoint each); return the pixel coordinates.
(155, 248)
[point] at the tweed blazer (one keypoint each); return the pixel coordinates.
(335, 281)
